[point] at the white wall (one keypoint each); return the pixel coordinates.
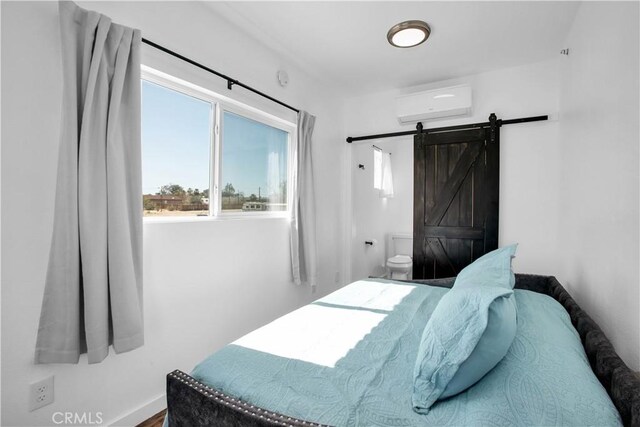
(205, 283)
(599, 180)
(529, 167)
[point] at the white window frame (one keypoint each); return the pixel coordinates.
(220, 104)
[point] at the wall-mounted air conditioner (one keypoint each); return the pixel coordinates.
(434, 104)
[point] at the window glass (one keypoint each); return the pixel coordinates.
(254, 163)
(377, 169)
(176, 140)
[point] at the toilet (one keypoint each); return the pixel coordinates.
(400, 267)
(399, 250)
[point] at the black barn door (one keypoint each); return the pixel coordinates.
(455, 203)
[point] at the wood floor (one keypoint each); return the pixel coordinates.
(155, 421)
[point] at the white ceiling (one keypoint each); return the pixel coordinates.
(345, 43)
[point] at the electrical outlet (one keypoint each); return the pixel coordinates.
(41, 393)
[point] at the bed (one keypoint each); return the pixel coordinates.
(308, 368)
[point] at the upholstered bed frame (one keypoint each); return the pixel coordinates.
(191, 403)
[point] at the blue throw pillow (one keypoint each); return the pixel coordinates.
(466, 319)
(491, 269)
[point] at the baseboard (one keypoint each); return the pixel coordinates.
(144, 412)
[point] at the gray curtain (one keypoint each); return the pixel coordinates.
(304, 256)
(93, 288)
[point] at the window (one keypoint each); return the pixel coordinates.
(254, 165)
(205, 155)
(176, 141)
(377, 168)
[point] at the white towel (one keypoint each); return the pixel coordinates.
(387, 177)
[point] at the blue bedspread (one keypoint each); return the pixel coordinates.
(347, 360)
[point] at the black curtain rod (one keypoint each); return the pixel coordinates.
(230, 81)
(419, 128)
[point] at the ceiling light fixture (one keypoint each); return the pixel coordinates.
(408, 33)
